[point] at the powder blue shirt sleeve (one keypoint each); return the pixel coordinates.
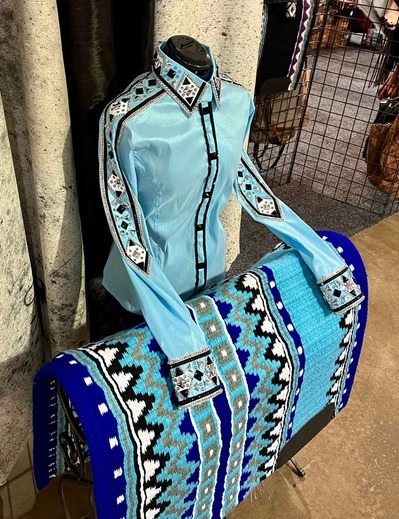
(178, 335)
(333, 276)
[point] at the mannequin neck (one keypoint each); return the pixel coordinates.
(190, 53)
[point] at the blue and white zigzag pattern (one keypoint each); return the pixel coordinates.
(151, 460)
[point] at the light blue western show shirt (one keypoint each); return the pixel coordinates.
(171, 153)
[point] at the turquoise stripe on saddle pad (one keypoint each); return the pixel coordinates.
(282, 355)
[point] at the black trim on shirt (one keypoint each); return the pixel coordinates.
(350, 303)
(206, 195)
(137, 223)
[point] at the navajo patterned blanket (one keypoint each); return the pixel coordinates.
(282, 358)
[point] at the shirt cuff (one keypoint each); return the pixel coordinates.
(195, 378)
(341, 291)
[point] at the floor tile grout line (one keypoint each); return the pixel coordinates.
(9, 500)
(29, 455)
(19, 475)
(31, 466)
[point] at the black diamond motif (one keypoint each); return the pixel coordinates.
(152, 82)
(240, 173)
(248, 187)
(139, 91)
(198, 375)
(337, 293)
(124, 225)
(179, 372)
(121, 209)
(171, 73)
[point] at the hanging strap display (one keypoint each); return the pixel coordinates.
(277, 119)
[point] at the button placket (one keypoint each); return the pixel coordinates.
(206, 115)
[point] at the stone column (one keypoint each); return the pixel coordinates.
(20, 351)
(52, 170)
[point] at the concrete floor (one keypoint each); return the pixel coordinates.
(351, 466)
(329, 158)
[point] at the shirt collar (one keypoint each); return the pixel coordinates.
(185, 87)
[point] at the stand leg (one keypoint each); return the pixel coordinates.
(298, 469)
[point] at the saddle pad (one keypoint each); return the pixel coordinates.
(282, 355)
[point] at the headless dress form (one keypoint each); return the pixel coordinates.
(190, 53)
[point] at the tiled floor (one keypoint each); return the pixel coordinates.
(18, 495)
(20, 500)
(352, 465)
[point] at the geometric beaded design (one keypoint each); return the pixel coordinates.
(305, 27)
(121, 205)
(195, 378)
(341, 291)
(290, 11)
(255, 193)
(187, 90)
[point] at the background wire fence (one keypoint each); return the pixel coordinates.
(326, 155)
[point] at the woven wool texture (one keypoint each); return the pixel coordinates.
(282, 358)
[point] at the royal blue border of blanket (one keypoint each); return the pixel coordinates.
(224, 412)
(43, 448)
(77, 391)
(296, 340)
(86, 400)
(352, 256)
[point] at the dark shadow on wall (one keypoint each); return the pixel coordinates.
(106, 44)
